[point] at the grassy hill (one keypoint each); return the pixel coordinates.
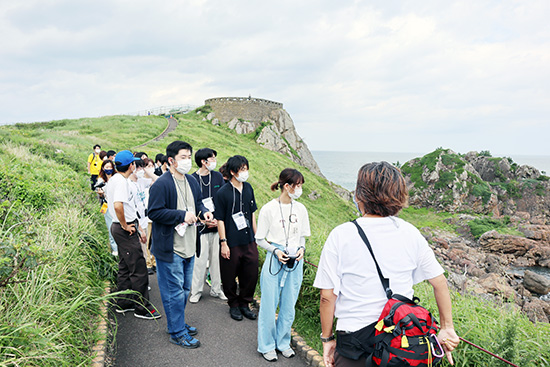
(49, 307)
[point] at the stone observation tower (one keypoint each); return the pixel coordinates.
(248, 109)
(273, 125)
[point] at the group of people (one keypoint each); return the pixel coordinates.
(157, 213)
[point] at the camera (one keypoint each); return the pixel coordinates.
(291, 260)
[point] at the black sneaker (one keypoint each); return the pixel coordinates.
(235, 313)
(148, 315)
(248, 313)
(122, 310)
(150, 271)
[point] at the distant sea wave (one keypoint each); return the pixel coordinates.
(341, 167)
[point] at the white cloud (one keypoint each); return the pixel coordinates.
(406, 77)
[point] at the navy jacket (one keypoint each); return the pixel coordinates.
(162, 210)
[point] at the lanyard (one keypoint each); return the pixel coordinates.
(183, 194)
(208, 184)
(287, 233)
(241, 200)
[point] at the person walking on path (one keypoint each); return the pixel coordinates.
(132, 271)
(94, 165)
(174, 205)
(107, 171)
(283, 224)
(210, 182)
(235, 206)
(347, 276)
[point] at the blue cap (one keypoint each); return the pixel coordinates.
(124, 158)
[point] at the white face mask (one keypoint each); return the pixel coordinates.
(211, 166)
(140, 173)
(184, 166)
(242, 177)
(297, 193)
(98, 151)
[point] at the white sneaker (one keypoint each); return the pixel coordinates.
(289, 353)
(270, 356)
(195, 298)
(220, 295)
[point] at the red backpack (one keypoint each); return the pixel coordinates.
(405, 334)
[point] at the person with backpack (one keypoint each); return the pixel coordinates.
(366, 274)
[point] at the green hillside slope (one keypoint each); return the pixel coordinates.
(49, 303)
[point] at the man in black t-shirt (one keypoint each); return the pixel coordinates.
(210, 182)
(235, 207)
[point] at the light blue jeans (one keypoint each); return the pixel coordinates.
(108, 222)
(174, 280)
(277, 290)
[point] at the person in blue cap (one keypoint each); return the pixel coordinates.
(132, 269)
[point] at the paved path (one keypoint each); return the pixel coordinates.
(224, 342)
(172, 124)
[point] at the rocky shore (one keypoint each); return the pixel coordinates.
(506, 230)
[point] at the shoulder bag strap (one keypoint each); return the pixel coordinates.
(385, 281)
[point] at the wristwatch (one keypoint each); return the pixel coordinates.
(223, 240)
(326, 340)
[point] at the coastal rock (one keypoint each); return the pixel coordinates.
(242, 127)
(536, 310)
(495, 284)
(478, 183)
(281, 125)
(314, 195)
(528, 172)
(507, 244)
(536, 283)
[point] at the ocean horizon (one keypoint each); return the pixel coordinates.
(341, 167)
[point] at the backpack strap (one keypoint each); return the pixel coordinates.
(385, 281)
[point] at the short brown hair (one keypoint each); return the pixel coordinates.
(381, 189)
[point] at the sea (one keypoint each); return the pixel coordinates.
(342, 167)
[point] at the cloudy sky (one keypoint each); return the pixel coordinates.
(354, 75)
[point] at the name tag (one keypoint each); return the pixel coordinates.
(180, 229)
(240, 220)
(209, 204)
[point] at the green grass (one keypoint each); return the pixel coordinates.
(500, 329)
(48, 318)
(424, 217)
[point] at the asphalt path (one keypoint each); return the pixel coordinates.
(224, 341)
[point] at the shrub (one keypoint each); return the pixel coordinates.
(479, 226)
(482, 190)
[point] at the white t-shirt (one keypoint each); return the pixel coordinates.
(120, 191)
(272, 217)
(139, 200)
(144, 184)
(347, 267)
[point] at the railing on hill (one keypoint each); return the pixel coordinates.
(164, 110)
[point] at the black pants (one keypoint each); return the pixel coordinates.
(243, 264)
(93, 181)
(132, 270)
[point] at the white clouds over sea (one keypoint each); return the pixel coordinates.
(354, 75)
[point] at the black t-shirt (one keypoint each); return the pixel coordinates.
(210, 185)
(228, 201)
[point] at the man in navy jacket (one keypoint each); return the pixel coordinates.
(174, 204)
